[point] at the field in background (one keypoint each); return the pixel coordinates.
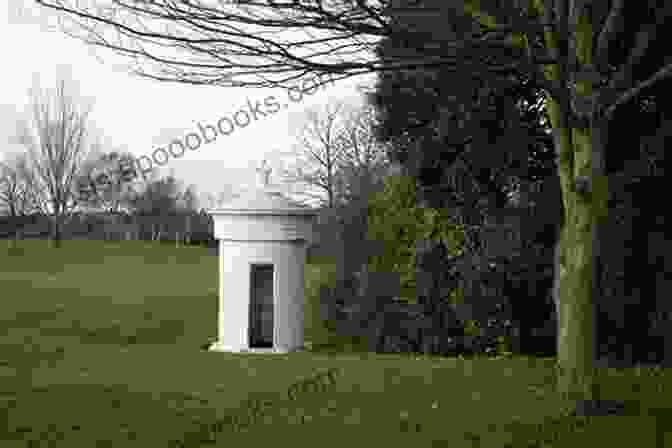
(100, 346)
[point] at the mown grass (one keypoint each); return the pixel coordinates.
(100, 346)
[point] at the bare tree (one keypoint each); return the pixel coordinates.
(317, 153)
(337, 155)
(15, 196)
(55, 138)
(589, 56)
(363, 160)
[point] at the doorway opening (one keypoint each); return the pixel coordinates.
(261, 323)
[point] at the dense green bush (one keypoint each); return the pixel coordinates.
(401, 227)
(421, 247)
(424, 246)
(396, 220)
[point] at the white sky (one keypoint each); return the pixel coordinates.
(139, 115)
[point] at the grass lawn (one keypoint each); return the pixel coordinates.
(100, 347)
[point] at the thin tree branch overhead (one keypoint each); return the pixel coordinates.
(258, 43)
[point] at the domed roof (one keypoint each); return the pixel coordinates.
(263, 201)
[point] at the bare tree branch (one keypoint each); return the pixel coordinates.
(613, 26)
(336, 151)
(263, 43)
(316, 151)
(661, 74)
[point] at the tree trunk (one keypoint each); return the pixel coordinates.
(576, 326)
(56, 235)
(187, 232)
(555, 292)
(573, 287)
(577, 285)
(579, 147)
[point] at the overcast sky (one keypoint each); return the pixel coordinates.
(139, 115)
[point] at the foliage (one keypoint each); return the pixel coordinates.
(418, 317)
(633, 317)
(473, 144)
(396, 220)
(107, 181)
(163, 196)
(419, 240)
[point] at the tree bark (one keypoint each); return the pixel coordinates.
(580, 154)
(577, 255)
(558, 265)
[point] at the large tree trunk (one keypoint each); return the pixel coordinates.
(579, 147)
(576, 324)
(577, 286)
(576, 268)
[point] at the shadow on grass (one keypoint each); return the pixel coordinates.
(604, 428)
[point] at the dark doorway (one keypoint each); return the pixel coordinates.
(261, 306)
